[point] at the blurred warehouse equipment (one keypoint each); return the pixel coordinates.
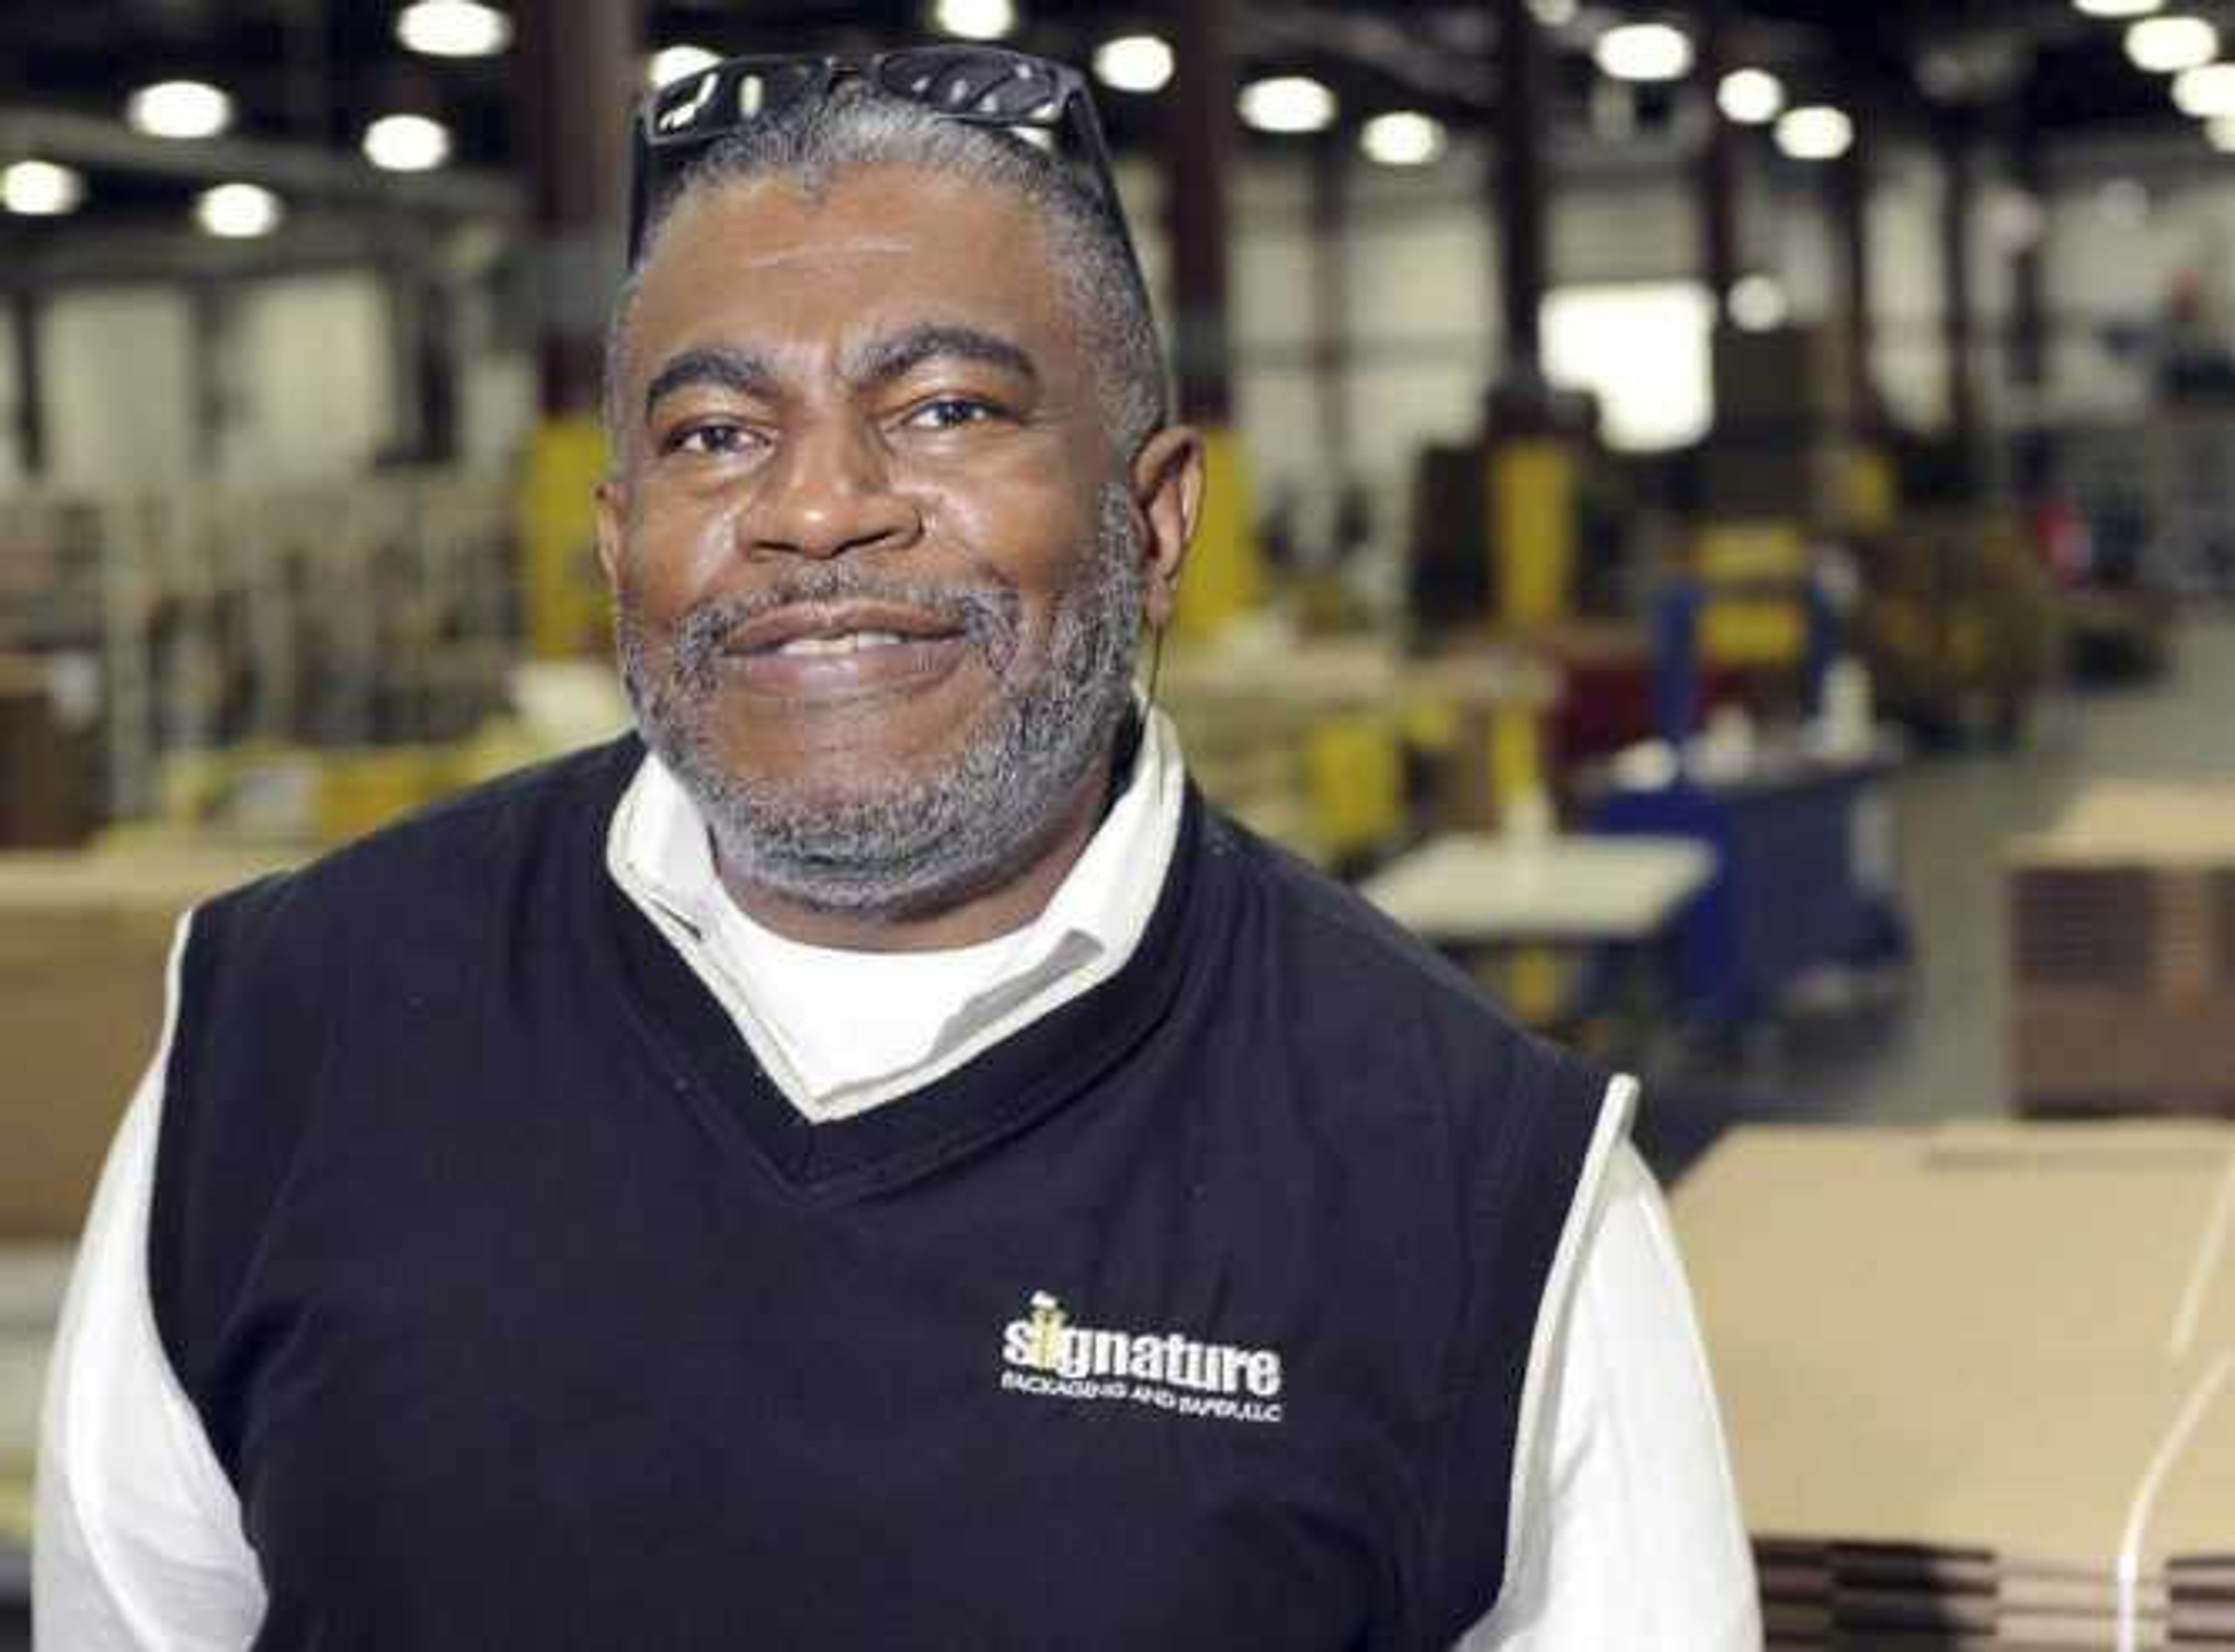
(1977, 1379)
(2122, 954)
(375, 612)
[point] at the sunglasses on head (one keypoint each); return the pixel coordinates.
(1034, 98)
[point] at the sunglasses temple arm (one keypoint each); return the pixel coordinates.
(1097, 151)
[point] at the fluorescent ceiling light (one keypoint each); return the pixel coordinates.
(2116, 8)
(975, 19)
(1134, 63)
(1751, 97)
(40, 189)
(407, 143)
(1815, 132)
(1286, 103)
(2205, 91)
(453, 29)
(675, 63)
(180, 109)
(238, 211)
(1758, 303)
(1554, 13)
(1643, 51)
(2168, 45)
(1405, 138)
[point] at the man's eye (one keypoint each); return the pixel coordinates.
(950, 413)
(711, 439)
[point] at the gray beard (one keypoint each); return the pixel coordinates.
(920, 844)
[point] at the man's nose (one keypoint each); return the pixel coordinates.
(832, 492)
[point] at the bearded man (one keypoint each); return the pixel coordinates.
(876, 1161)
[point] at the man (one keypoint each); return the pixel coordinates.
(887, 1165)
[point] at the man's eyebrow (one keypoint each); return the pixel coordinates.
(731, 370)
(883, 360)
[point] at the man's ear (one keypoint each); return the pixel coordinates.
(611, 500)
(1167, 483)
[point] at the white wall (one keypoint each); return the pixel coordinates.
(115, 377)
(313, 391)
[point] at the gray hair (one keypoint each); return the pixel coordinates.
(858, 126)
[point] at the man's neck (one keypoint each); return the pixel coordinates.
(1008, 905)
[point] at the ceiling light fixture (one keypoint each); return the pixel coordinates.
(1404, 138)
(1286, 103)
(40, 189)
(2205, 91)
(2168, 45)
(407, 143)
(1815, 132)
(1643, 51)
(1751, 97)
(975, 19)
(238, 211)
(1134, 63)
(1758, 303)
(673, 63)
(2116, 8)
(180, 109)
(453, 29)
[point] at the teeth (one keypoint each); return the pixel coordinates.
(851, 642)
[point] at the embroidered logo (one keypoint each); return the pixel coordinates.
(1045, 1354)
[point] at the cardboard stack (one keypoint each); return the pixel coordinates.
(83, 941)
(2122, 924)
(1979, 1382)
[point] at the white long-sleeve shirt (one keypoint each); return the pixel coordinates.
(1629, 1539)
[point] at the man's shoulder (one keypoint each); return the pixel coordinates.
(1328, 927)
(1353, 992)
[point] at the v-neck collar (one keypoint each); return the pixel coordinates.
(1003, 1089)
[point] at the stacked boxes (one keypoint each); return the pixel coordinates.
(2122, 923)
(1978, 1382)
(84, 939)
(1960, 622)
(1781, 449)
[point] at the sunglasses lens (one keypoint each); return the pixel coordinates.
(729, 95)
(997, 86)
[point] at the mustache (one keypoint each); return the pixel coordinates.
(989, 613)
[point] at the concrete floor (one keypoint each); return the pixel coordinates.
(1941, 1053)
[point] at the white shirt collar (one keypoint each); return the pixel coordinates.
(844, 1032)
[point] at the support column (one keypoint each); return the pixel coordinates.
(1517, 198)
(577, 77)
(577, 68)
(2028, 322)
(1851, 199)
(2029, 339)
(1225, 574)
(1331, 305)
(1958, 212)
(1719, 168)
(24, 307)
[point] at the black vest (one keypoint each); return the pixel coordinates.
(524, 1312)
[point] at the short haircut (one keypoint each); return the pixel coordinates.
(856, 126)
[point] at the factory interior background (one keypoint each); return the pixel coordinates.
(1723, 521)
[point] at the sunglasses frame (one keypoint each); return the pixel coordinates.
(1071, 103)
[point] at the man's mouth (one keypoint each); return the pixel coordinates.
(845, 649)
(851, 643)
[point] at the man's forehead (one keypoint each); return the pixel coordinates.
(893, 209)
(880, 248)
